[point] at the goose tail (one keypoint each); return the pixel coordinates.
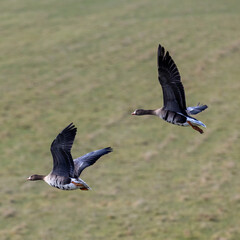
(196, 122)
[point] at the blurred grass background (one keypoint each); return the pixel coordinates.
(92, 63)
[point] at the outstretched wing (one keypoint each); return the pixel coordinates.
(170, 80)
(196, 109)
(89, 159)
(61, 152)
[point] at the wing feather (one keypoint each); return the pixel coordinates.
(170, 80)
(196, 109)
(89, 159)
(61, 152)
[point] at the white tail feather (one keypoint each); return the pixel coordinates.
(195, 122)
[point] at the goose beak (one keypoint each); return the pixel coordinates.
(133, 113)
(28, 178)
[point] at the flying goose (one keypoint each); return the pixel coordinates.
(174, 110)
(66, 171)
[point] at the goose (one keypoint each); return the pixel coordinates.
(66, 171)
(174, 110)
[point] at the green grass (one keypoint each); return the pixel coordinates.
(92, 63)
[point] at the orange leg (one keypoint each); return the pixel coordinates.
(195, 127)
(78, 184)
(82, 187)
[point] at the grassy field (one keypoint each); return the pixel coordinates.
(92, 63)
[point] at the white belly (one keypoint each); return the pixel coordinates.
(69, 186)
(73, 185)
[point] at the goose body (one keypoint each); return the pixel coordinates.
(177, 118)
(66, 171)
(174, 110)
(63, 184)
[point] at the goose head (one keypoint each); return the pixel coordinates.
(35, 177)
(138, 112)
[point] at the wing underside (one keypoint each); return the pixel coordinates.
(89, 159)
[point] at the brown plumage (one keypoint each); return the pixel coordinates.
(66, 171)
(174, 110)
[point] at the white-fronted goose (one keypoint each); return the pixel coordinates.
(66, 171)
(174, 110)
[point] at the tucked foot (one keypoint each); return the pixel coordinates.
(81, 186)
(78, 184)
(195, 127)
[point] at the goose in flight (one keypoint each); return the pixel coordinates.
(174, 110)
(66, 171)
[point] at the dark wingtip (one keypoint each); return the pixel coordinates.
(161, 50)
(70, 127)
(202, 107)
(108, 149)
(159, 46)
(160, 55)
